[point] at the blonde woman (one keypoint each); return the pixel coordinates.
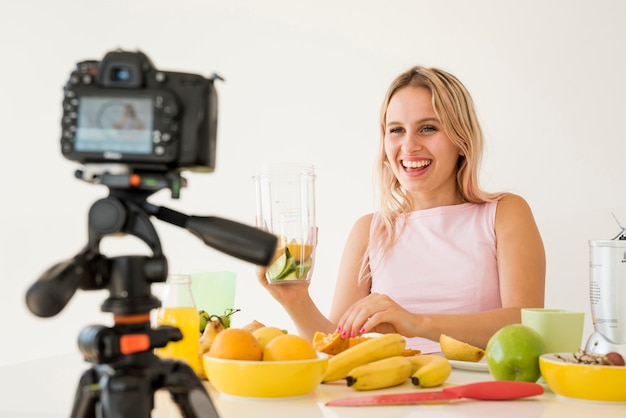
(441, 255)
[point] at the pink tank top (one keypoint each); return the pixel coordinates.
(443, 262)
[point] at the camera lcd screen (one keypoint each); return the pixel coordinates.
(114, 124)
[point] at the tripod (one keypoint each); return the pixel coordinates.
(125, 372)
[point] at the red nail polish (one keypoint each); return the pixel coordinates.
(338, 329)
(362, 330)
(343, 334)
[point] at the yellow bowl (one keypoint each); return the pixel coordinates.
(265, 379)
(583, 381)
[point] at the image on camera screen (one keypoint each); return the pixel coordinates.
(114, 124)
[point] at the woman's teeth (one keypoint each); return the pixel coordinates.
(416, 164)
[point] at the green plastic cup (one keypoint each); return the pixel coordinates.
(214, 291)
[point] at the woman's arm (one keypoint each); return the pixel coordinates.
(522, 270)
(295, 297)
(348, 288)
(521, 265)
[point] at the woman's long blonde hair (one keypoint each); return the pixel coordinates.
(454, 107)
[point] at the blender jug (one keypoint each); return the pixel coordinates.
(286, 208)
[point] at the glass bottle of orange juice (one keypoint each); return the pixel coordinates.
(179, 310)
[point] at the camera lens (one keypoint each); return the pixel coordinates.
(120, 74)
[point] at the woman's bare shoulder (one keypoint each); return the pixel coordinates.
(510, 202)
(361, 226)
(365, 219)
(513, 211)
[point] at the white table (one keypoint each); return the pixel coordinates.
(45, 389)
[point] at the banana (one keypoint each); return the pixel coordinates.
(387, 345)
(390, 371)
(454, 349)
(429, 370)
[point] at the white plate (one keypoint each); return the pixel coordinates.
(478, 366)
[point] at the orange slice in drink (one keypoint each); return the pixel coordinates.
(300, 252)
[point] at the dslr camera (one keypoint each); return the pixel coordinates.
(125, 111)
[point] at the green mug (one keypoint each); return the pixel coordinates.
(561, 329)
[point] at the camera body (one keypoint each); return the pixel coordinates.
(123, 110)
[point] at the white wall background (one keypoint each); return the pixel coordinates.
(304, 81)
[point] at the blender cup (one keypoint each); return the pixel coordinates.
(286, 207)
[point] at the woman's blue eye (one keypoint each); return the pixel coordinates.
(395, 130)
(428, 128)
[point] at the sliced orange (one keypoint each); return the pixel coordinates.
(330, 343)
(408, 352)
(357, 340)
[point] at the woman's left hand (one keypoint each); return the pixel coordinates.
(377, 313)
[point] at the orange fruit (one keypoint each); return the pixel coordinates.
(289, 347)
(330, 343)
(236, 344)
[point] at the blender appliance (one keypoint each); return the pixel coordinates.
(607, 293)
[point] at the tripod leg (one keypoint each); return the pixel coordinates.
(195, 404)
(104, 393)
(87, 396)
(127, 395)
(188, 392)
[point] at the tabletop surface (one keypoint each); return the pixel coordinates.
(45, 389)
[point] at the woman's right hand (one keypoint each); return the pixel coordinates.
(287, 294)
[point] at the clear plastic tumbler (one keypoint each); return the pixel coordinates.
(286, 207)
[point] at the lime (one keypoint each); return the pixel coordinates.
(303, 269)
(282, 266)
(277, 266)
(292, 275)
(290, 265)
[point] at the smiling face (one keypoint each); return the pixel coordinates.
(420, 154)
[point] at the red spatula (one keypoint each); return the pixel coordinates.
(499, 390)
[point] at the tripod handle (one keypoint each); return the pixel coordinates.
(56, 286)
(238, 240)
(245, 242)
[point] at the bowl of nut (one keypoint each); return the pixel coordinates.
(588, 376)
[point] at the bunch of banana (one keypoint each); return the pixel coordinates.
(373, 349)
(429, 370)
(390, 371)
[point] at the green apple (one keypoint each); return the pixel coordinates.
(513, 353)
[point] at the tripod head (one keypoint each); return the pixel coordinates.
(128, 278)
